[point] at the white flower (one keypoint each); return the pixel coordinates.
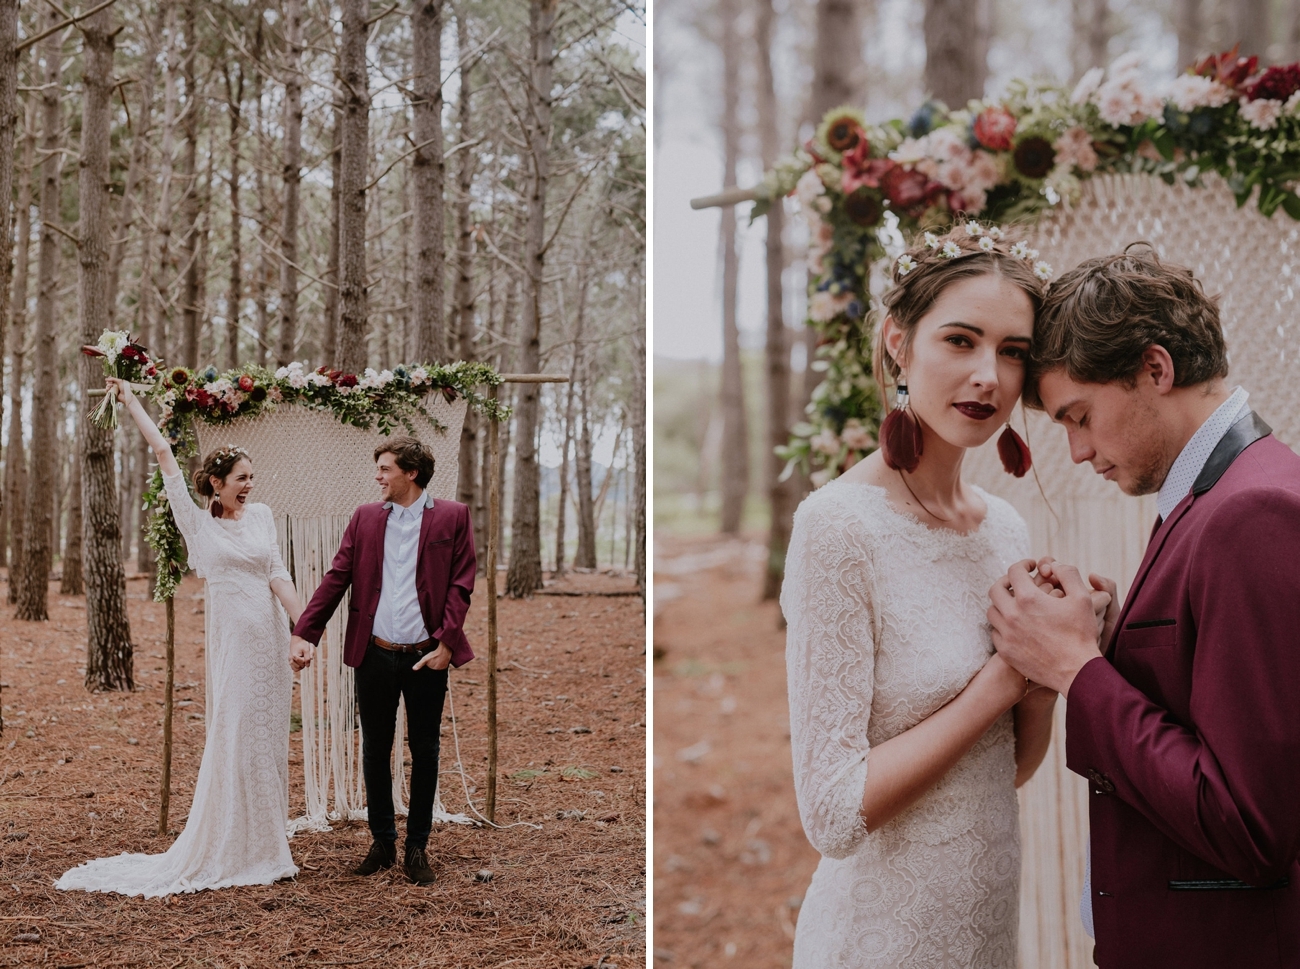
(1042, 270)
(385, 377)
(219, 387)
(1020, 250)
(909, 152)
(1126, 66)
(931, 241)
(418, 376)
(826, 441)
(282, 373)
(987, 243)
(974, 228)
(319, 379)
(856, 437)
(1261, 114)
(1292, 103)
(824, 306)
(995, 232)
(808, 188)
(819, 478)
(1191, 91)
(169, 398)
(950, 250)
(905, 264)
(112, 342)
(298, 379)
(1087, 85)
(369, 379)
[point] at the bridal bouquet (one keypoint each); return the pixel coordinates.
(122, 358)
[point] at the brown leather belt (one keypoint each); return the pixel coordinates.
(402, 647)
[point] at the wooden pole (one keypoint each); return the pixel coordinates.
(728, 196)
(494, 515)
(166, 793)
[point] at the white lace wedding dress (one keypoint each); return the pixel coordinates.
(236, 830)
(887, 624)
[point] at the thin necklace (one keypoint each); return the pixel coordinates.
(918, 500)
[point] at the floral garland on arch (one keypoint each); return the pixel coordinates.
(383, 399)
(864, 188)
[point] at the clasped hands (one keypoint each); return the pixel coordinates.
(1047, 623)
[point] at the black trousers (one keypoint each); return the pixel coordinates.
(381, 679)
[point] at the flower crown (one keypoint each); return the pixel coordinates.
(231, 451)
(988, 239)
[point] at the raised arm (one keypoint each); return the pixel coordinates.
(157, 443)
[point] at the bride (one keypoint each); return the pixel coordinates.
(236, 831)
(909, 734)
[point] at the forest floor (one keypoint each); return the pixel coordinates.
(731, 862)
(79, 779)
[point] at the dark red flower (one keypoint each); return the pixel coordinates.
(334, 375)
(245, 383)
(449, 394)
(152, 371)
(345, 379)
(323, 370)
(995, 128)
(909, 191)
(1227, 68)
(1034, 157)
(1277, 83)
(860, 169)
(131, 352)
(864, 207)
(258, 394)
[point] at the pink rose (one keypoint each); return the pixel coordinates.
(995, 128)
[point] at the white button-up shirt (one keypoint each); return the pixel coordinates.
(398, 618)
(1187, 467)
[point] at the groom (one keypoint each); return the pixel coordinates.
(410, 563)
(1185, 718)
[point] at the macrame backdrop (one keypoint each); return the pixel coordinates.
(313, 472)
(1253, 265)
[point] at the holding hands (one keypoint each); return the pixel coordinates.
(1049, 625)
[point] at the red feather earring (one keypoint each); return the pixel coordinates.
(900, 435)
(1014, 452)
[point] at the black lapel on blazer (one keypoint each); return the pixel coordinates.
(1240, 436)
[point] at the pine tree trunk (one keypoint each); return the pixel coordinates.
(463, 294)
(838, 57)
(735, 434)
(956, 49)
(574, 371)
(585, 557)
(330, 323)
(353, 168)
(190, 214)
(137, 168)
(16, 465)
(263, 270)
(639, 441)
(153, 276)
(1091, 27)
(292, 178)
(780, 494)
(428, 169)
(1189, 21)
(73, 565)
(38, 548)
(235, 294)
(109, 649)
(1250, 20)
(8, 133)
(525, 574)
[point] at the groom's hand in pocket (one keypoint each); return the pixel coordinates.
(435, 659)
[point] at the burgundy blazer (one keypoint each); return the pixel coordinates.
(444, 579)
(1189, 729)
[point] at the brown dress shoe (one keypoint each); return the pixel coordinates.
(417, 866)
(383, 854)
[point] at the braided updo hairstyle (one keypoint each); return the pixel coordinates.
(923, 272)
(218, 464)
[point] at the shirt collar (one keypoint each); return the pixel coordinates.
(1187, 466)
(416, 507)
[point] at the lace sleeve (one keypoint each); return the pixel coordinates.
(278, 571)
(830, 661)
(189, 519)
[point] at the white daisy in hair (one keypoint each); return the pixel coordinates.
(987, 243)
(974, 228)
(950, 250)
(1042, 270)
(931, 241)
(1020, 250)
(905, 264)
